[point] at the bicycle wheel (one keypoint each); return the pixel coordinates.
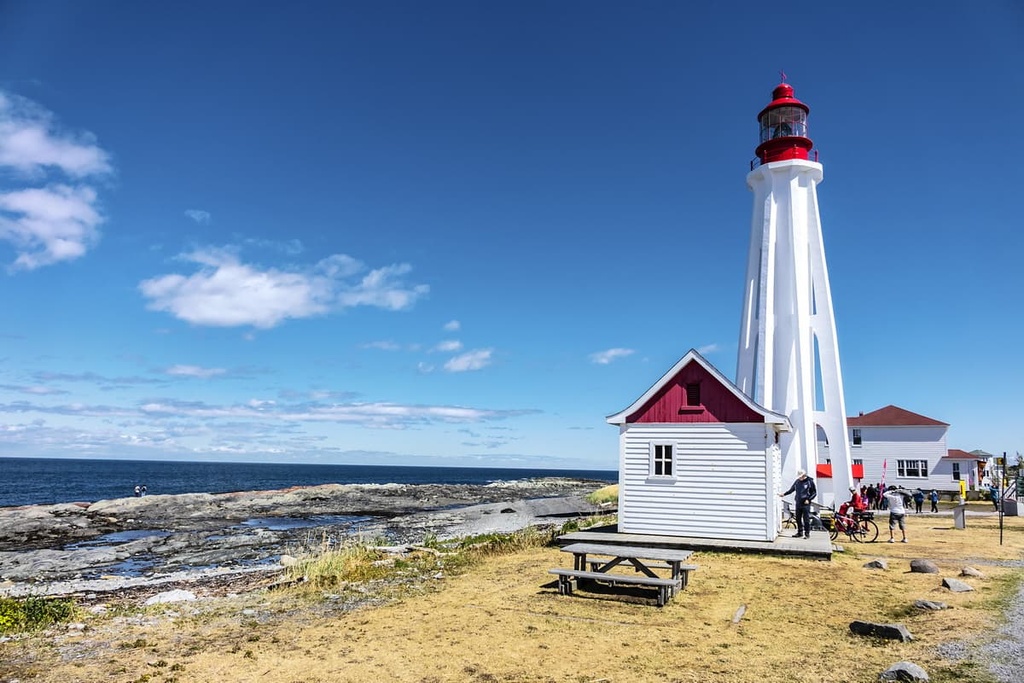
(834, 531)
(868, 530)
(789, 523)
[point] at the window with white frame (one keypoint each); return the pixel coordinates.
(956, 471)
(858, 461)
(912, 468)
(661, 460)
(857, 438)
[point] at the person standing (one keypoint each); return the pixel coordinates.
(806, 492)
(897, 501)
(994, 492)
(933, 497)
(871, 494)
(918, 501)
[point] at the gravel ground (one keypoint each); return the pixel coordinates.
(1005, 654)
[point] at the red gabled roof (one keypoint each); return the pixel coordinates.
(957, 454)
(893, 416)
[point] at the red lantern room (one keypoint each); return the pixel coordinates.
(783, 127)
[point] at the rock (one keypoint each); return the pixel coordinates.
(904, 671)
(887, 631)
(971, 571)
(288, 561)
(957, 586)
(176, 595)
(923, 567)
(929, 604)
(878, 563)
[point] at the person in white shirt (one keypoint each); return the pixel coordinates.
(897, 500)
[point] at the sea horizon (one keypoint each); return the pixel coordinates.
(26, 480)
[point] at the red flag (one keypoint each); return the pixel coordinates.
(885, 464)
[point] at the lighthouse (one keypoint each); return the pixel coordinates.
(788, 359)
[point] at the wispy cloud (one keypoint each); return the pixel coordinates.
(292, 247)
(452, 326)
(52, 214)
(471, 360)
(224, 292)
(449, 346)
(383, 345)
(707, 348)
(194, 371)
(34, 390)
(199, 216)
(606, 357)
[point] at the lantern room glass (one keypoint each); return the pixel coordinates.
(783, 122)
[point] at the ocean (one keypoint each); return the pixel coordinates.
(44, 481)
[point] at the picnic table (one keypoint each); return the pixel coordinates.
(644, 561)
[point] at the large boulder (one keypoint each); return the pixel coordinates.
(904, 671)
(957, 586)
(888, 631)
(176, 595)
(923, 567)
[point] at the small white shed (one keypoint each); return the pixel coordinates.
(697, 457)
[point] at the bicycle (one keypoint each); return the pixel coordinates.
(860, 526)
(789, 519)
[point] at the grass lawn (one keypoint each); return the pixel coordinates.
(502, 620)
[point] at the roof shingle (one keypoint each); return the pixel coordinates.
(893, 416)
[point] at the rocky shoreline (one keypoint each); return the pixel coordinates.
(128, 543)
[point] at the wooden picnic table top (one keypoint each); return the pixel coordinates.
(628, 551)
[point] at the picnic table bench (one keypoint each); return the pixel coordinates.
(638, 557)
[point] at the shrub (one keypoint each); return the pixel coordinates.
(603, 496)
(34, 613)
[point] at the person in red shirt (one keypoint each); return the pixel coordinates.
(855, 504)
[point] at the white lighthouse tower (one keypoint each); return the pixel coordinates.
(788, 351)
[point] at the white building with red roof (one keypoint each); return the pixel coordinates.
(907, 449)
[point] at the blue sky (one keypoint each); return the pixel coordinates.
(463, 233)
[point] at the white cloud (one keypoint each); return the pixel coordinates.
(449, 346)
(382, 288)
(606, 357)
(226, 293)
(194, 371)
(30, 143)
(50, 215)
(199, 216)
(471, 360)
(707, 348)
(48, 225)
(452, 326)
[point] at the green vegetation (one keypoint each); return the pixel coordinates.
(363, 562)
(18, 615)
(604, 496)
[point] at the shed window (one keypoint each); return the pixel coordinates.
(857, 440)
(693, 394)
(661, 460)
(956, 471)
(912, 468)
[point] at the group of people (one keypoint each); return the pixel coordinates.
(140, 490)
(875, 499)
(895, 499)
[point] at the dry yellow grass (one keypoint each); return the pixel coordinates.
(503, 621)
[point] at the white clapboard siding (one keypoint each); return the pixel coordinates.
(720, 486)
(889, 444)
